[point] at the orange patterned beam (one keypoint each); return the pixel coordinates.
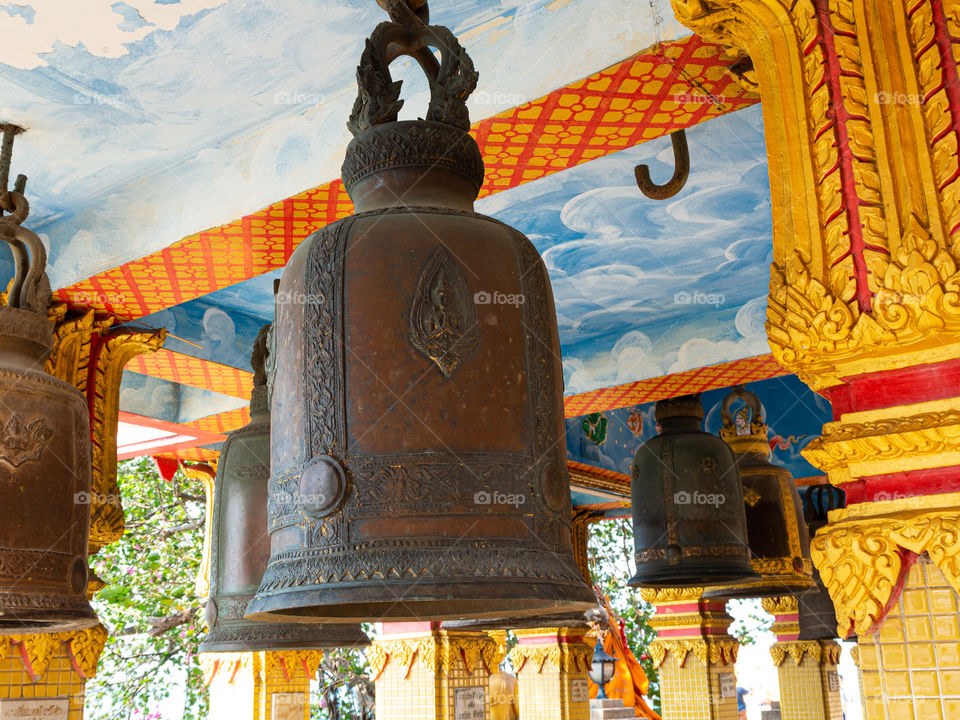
(188, 370)
(664, 88)
(712, 377)
(221, 422)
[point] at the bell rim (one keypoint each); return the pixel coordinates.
(770, 586)
(309, 603)
(692, 577)
(220, 641)
(51, 621)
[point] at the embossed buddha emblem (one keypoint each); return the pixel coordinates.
(443, 318)
(21, 442)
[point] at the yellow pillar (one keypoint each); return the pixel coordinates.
(260, 685)
(552, 666)
(424, 673)
(48, 671)
(861, 104)
(694, 655)
(807, 669)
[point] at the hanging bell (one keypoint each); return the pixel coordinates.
(45, 456)
(776, 530)
(817, 614)
(240, 544)
(420, 470)
(688, 523)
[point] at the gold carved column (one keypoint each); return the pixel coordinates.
(694, 655)
(552, 666)
(49, 671)
(807, 669)
(272, 685)
(424, 673)
(861, 106)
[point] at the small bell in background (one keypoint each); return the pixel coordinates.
(818, 616)
(776, 530)
(45, 463)
(240, 543)
(689, 526)
(419, 472)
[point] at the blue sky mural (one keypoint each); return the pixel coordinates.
(171, 402)
(794, 414)
(643, 287)
(140, 133)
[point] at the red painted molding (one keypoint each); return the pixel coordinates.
(891, 388)
(899, 485)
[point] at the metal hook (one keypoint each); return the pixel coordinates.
(681, 156)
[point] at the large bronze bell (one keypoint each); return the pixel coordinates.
(240, 543)
(45, 470)
(776, 530)
(420, 470)
(688, 522)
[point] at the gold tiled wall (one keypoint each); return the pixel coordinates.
(456, 676)
(833, 705)
(414, 697)
(692, 692)
(805, 689)
(58, 680)
(911, 669)
(546, 695)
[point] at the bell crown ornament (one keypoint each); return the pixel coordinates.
(688, 520)
(240, 543)
(776, 529)
(419, 472)
(44, 445)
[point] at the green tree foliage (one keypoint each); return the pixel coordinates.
(611, 561)
(149, 667)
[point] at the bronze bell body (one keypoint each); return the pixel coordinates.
(776, 529)
(420, 471)
(45, 464)
(240, 543)
(688, 521)
(817, 614)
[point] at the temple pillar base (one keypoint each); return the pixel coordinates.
(260, 685)
(425, 673)
(694, 654)
(552, 666)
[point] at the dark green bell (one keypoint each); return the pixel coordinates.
(817, 614)
(776, 530)
(240, 543)
(689, 527)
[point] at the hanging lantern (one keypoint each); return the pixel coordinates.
(45, 469)
(776, 530)
(420, 470)
(688, 523)
(240, 544)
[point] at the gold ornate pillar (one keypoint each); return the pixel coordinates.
(552, 666)
(48, 670)
(861, 104)
(260, 685)
(425, 673)
(89, 353)
(807, 669)
(694, 655)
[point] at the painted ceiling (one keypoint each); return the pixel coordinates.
(179, 151)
